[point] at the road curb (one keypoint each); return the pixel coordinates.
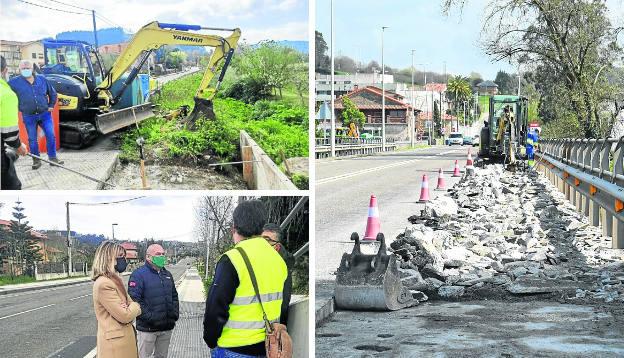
(25, 289)
(327, 309)
(42, 287)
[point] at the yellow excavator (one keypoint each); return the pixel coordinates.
(89, 96)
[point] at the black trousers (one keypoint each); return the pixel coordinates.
(9, 179)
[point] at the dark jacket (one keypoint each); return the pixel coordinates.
(221, 294)
(155, 292)
(33, 98)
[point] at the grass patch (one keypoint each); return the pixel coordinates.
(7, 280)
(275, 125)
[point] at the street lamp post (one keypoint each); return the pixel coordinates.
(113, 226)
(383, 93)
(332, 136)
(69, 243)
(412, 116)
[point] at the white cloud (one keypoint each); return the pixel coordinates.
(154, 216)
(23, 22)
(287, 31)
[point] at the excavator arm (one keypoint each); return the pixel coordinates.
(153, 36)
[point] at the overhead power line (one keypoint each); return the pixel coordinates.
(109, 202)
(51, 8)
(72, 5)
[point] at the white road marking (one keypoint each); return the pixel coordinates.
(19, 313)
(43, 290)
(364, 171)
(91, 354)
(75, 298)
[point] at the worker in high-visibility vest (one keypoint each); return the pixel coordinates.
(233, 320)
(531, 145)
(9, 132)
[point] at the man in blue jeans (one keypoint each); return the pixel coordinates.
(36, 101)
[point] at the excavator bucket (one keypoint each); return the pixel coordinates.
(370, 282)
(202, 108)
(117, 119)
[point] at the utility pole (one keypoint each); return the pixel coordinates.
(519, 79)
(412, 116)
(69, 245)
(383, 93)
(94, 29)
(113, 226)
(332, 136)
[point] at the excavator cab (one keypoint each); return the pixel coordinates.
(370, 282)
(513, 140)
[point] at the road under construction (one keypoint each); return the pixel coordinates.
(485, 262)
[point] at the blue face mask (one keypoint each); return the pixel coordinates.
(26, 72)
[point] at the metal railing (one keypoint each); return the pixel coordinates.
(590, 172)
(352, 146)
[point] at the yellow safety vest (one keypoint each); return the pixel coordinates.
(8, 109)
(245, 325)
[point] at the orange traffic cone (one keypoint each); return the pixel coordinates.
(469, 161)
(372, 224)
(456, 172)
(424, 189)
(441, 184)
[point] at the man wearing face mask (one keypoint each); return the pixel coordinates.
(153, 288)
(9, 132)
(36, 102)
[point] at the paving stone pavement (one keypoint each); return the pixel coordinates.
(98, 160)
(187, 339)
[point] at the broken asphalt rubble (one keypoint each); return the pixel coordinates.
(504, 233)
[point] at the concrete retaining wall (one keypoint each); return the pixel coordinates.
(298, 326)
(259, 171)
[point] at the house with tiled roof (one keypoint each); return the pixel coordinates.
(487, 88)
(369, 100)
(45, 251)
(132, 252)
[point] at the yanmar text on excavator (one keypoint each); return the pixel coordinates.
(89, 95)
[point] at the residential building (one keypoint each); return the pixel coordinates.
(487, 88)
(41, 242)
(132, 252)
(15, 51)
(344, 84)
(368, 100)
(113, 48)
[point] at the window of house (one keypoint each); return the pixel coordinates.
(40, 55)
(34, 55)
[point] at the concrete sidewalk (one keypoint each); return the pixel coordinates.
(187, 339)
(98, 160)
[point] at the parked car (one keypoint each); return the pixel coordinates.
(455, 138)
(467, 140)
(476, 141)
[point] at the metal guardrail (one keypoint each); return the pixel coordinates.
(352, 146)
(590, 172)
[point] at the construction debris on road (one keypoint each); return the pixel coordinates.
(499, 233)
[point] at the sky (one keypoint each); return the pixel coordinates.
(258, 19)
(418, 25)
(170, 217)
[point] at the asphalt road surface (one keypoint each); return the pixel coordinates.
(343, 190)
(53, 322)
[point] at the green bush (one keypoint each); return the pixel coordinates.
(247, 90)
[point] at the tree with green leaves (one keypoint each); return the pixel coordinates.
(271, 64)
(321, 60)
(26, 250)
(351, 114)
(437, 119)
(458, 90)
(571, 43)
(175, 59)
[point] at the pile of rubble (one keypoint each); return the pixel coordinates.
(498, 231)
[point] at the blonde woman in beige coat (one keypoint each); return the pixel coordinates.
(114, 309)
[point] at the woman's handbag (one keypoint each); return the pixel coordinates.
(278, 343)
